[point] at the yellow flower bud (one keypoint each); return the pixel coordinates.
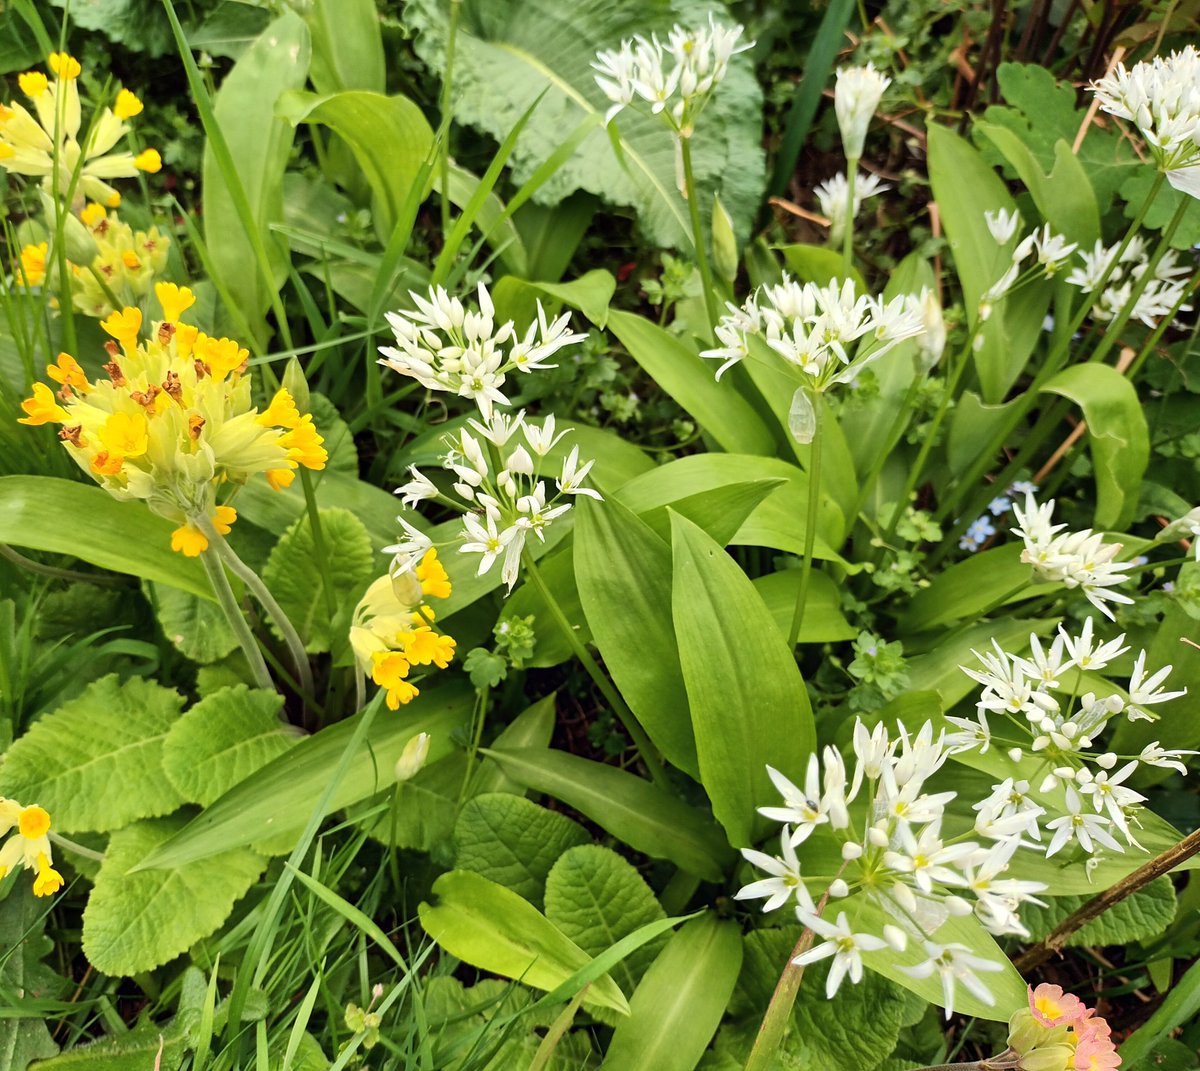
(148, 160)
(33, 83)
(127, 105)
(64, 65)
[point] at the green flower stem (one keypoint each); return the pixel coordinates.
(1157, 334)
(261, 592)
(314, 523)
(706, 279)
(233, 614)
(848, 232)
(810, 524)
(445, 105)
(607, 689)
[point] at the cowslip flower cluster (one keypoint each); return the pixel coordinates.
(833, 195)
(1058, 1032)
(856, 95)
(174, 422)
(1162, 293)
(28, 845)
(1161, 99)
(121, 272)
(497, 470)
(826, 334)
(446, 346)
(1075, 559)
(675, 79)
(47, 145)
(393, 627)
(895, 856)
(1029, 704)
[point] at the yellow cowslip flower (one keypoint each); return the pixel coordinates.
(127, 261)
(391, 632)
(432, 574)
(282, 412)
(28, 845)
(93, 213)
(304, 444)
(42, 408)
(32, 271)
(167, 428)
(175, 300)
(45, 143)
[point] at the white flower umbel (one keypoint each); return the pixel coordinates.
(1044, 716)
(1046, 252)
(496, 468)
(447, 346)
(672, 79)
(833, 195)
(1161, 294)
(1076, 559)
(1186, 527)
(1162, 99)
(856, 95)
(896, 856)
(955, 964)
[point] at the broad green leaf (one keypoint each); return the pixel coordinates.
(278, 797)
(294, 576)
(823, 621)
(494, 929)
(222, 740)
(1180, 1005)
(1117, 435)
(1145, 914)
(748, 702)
(136, 921)
(597, 898)
(818, 264)
(590, 294)
(623, 574)
(197, 628)
(973, 425)
(1063, 194)
(78, 519)
(25, 979)
(970, 586)
(96, 763)
(508, 53)
(512, 841)
(634, 811)
(676, 1009)
(851, 1032)
(1136, 188)
(389, 136)
(532, 728)
(680, 370)
(260, 145)
(347, 47)
(938, 670)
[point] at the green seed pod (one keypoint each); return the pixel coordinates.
(81, 246)
(296, 385)
(724, 244)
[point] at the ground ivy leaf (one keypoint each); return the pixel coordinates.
(136, 922)
(222, 740)
(293, 574)
(513, 841)
(96, 762)
(1145, 914)
(597, 898)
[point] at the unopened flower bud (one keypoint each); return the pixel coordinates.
(413, 757)
(878, 836)
(838, 888)
(724, 243)
(895, 937)
(851, 851)
(296, 385)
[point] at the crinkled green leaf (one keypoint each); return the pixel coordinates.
(513, 842)
(96, 763)
(1136, 188)
(135, 922)
(596, 898)
(507, 52)
(1145, 914)
(293, 574)
(197, 628)
(222, 740)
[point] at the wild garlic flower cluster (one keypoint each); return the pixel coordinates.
(1163, 292)
(1075, 559)
(393, 627)
(497, 469)
(675, 79)
(446, 346)
(47, 145)
(28, 845)
(827, 334)
(1161, 98)
(1058, 1032)
(174, 421)
(896, 857)
(856, 95)
(983, 527)
(111, 261)
(1185, 527)
(833, 195)
(1047, 253)
(1029, 704)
